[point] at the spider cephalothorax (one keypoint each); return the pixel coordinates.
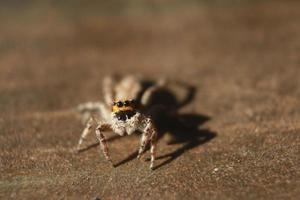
(122, 116)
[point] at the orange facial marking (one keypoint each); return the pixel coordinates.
(115, 108)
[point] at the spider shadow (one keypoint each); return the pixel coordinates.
(190, 138)
(183, 128)
(97, 144)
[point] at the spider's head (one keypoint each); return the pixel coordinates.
(127, 105)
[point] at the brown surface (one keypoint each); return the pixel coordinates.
(243, 58)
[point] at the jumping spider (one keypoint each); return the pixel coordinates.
(123, 112)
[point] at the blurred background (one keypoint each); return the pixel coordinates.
(241, 55)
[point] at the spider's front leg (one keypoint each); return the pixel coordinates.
(153, 143)
(149, 135)
(85, 132)
(144, 141)
(100, 136)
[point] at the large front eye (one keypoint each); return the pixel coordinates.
(126, 103)
(132, 102)
(119, 104)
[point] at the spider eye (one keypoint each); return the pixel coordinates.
(132, 102)
(126, 103)
(119, 104)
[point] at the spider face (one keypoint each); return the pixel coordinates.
(122, 106)
(123, 110)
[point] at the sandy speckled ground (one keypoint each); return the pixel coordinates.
(241, 56)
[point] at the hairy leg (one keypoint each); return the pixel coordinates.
(85, 132)
(108, 90)
(144, 141)
(153, 150)
(99, 108)
(89, 106)
(105, 112)
(149, 135)
(100, 136)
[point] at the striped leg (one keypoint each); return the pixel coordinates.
(100, 136)
(153, 150)
(149, 135)
(144, 141)
(85, 132)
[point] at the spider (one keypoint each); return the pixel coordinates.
(123, 112)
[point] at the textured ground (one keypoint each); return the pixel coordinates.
(242, 56)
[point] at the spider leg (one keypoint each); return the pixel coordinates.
(144, 141)
(147, 95)
(87, 109)
(88, 106)
(149, 135)
(100, 136)
(108, 90)
(85, 132)
(105, 112)
(153, 150)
